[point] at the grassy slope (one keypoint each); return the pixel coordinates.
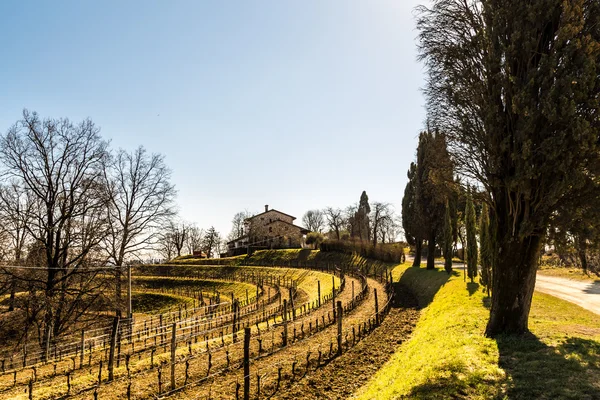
(155, 303)
(448, 356)
(283, 257)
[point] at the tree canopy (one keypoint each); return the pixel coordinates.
(515, 85)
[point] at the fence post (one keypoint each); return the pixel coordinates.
(82, 348)
(246, 363)
(376, 308)
(285, 327)
(319, 292)
(173, 348)
(333, 297)
(113, 344)
(292, 304)
(339, 327)
(233, 329)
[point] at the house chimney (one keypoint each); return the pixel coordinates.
(266, 207)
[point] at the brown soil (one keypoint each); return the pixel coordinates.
(345, 375)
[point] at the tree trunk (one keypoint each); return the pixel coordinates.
(118, 294)
(418, 248)
(513, 283)
(431, 250)
(581, 245)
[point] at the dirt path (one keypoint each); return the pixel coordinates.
(343, 376)
(584, 294)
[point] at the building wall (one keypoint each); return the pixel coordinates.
(269, 216)
(271, 229)
(279, 234)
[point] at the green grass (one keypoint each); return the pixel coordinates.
(283, 257)
(449, 357)
(154, 303)
(208, 286)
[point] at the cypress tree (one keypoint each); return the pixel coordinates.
(362, 228)
(434, 175)
(448, 240)
(471, 225)
(411, 219)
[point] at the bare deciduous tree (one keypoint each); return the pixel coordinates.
(59, 164)
(194, 239)
(179, 234)
(16, 206)
(335, 220)
(212, 241)
(141, 198)
(382, 216)
(165, 245)
(349, 214)
(313, 220)
(238, 221)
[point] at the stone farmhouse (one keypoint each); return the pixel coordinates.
(270, 229)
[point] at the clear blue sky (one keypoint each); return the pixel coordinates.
(295, 104)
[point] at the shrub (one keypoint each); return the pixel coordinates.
(315, 238)
(386, 252)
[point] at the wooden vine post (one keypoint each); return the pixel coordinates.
(333, 295)
(173, 348)
(246, 363)
(319, 292)
(376, 308)
(292, 304)
(339, 328)
(82, 346)
(285, 326)
(113, 344)
(234, 322)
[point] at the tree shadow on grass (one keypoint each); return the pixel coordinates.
(422, 283)
(304, 254)
(534, 370)
(487, 302)
(472, 287)
(571, 370)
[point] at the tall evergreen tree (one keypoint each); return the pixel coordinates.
(362, 226)
(486, 248)
(434, 184)
(448, 240)
(410, 215)
(471, 224)
(515, 85)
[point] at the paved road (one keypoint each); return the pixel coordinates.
(584, 294)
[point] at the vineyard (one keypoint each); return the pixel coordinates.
(230, 332)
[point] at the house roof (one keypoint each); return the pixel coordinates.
(264, 212)
(303, 230)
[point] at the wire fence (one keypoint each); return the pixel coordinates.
(197, 355)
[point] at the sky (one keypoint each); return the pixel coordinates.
(295, 104)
